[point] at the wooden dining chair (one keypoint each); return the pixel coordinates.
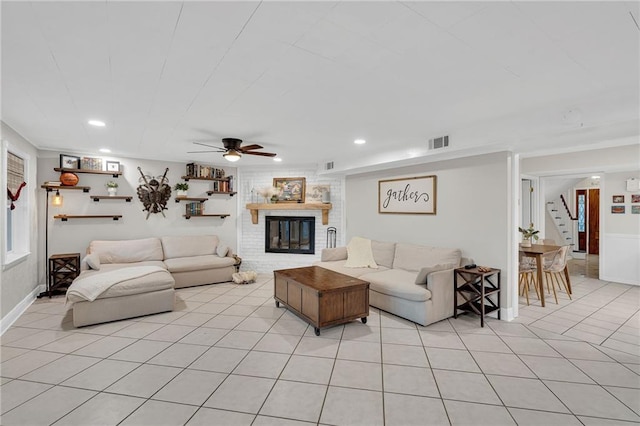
(554, 271)
(527, 276)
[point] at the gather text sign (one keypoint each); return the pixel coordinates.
(415, 195)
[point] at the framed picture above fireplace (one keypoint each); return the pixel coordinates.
(290, 190)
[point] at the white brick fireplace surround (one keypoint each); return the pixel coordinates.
(251, 237)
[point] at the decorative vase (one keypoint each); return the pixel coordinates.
(181, 193)
(112, 191)
(526, 242)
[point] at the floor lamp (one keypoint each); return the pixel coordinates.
(57, 202)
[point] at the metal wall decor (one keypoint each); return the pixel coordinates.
(154, 193)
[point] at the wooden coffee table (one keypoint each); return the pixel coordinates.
(320, 296)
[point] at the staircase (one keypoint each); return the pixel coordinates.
(563, 223)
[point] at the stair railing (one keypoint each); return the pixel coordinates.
(567, 208)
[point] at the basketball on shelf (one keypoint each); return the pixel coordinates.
(69, 179)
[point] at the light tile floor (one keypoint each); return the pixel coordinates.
(228, 356)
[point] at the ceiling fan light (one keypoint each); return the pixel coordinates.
(231, 155)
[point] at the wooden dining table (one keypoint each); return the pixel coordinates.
(537, 251)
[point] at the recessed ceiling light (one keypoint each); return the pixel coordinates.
(277, 159)
(595, 177)
(359, 141)
(97, 123)
(105, 150)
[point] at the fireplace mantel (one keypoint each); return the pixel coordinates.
(256, 207)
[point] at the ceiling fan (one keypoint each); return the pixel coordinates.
(233, 149)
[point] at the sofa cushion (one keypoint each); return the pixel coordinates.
(127, 251)
(189, 245)
(383, 253)
(146, 284)
(92, 261)
(338, 266)
(397, 283)
(112, 266)
(421, 278)
(359, 254)
(222, 250)
(198, 263)
(413, 257)
(335, 253)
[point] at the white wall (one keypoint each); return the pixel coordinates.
(620, 241)
(472, 210)
(74, 235)
(19, 281)
(252, 237)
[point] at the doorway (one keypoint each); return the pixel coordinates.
(588, 215)
(594, 221)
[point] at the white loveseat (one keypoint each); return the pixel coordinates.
(412, 281)
(163, 264)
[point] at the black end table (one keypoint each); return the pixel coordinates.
(475, 290)
(63, 269)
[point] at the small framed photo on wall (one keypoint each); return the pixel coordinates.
(69, 161)
(618, 198)
(113, 166)
(635, 198)
(617, 209)
(635, 209)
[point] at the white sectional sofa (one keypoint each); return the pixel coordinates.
(145, 272)
(412, 281)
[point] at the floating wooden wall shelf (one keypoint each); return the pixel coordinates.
(231, 194)
(93, 172)
(65, 217)
(127, 198)
(50, 188)
(220, 215)
(199, 199)
(256, 207)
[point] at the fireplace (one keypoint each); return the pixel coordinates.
(290, 234)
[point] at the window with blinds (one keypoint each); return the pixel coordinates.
(15, 172)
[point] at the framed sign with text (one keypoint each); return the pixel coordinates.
(415, 195)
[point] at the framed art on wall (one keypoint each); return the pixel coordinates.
(618, 198)
(617, 209)
(290, 190)
(113, 166)
(635, 198)
(414, 195)
(69, 161)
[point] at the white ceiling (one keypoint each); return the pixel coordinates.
(304, 79)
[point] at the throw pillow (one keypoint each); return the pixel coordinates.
(93, 261)
(359, 254)
(422, 275)
(222, 250)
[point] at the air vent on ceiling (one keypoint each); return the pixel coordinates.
(328, 165)
(437, 143)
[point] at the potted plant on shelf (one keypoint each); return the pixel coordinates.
(181, 189)
(527, 235)
(112, 188)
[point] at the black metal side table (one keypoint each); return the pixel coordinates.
(63, 269)
(475, 291)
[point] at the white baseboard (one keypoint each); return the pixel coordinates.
(619, 280)
(506, 314)
(8, 320)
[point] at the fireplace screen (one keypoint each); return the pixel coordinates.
(290, 234)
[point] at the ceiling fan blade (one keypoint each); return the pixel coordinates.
(210, 146)
(250, 147)
(263, 154)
